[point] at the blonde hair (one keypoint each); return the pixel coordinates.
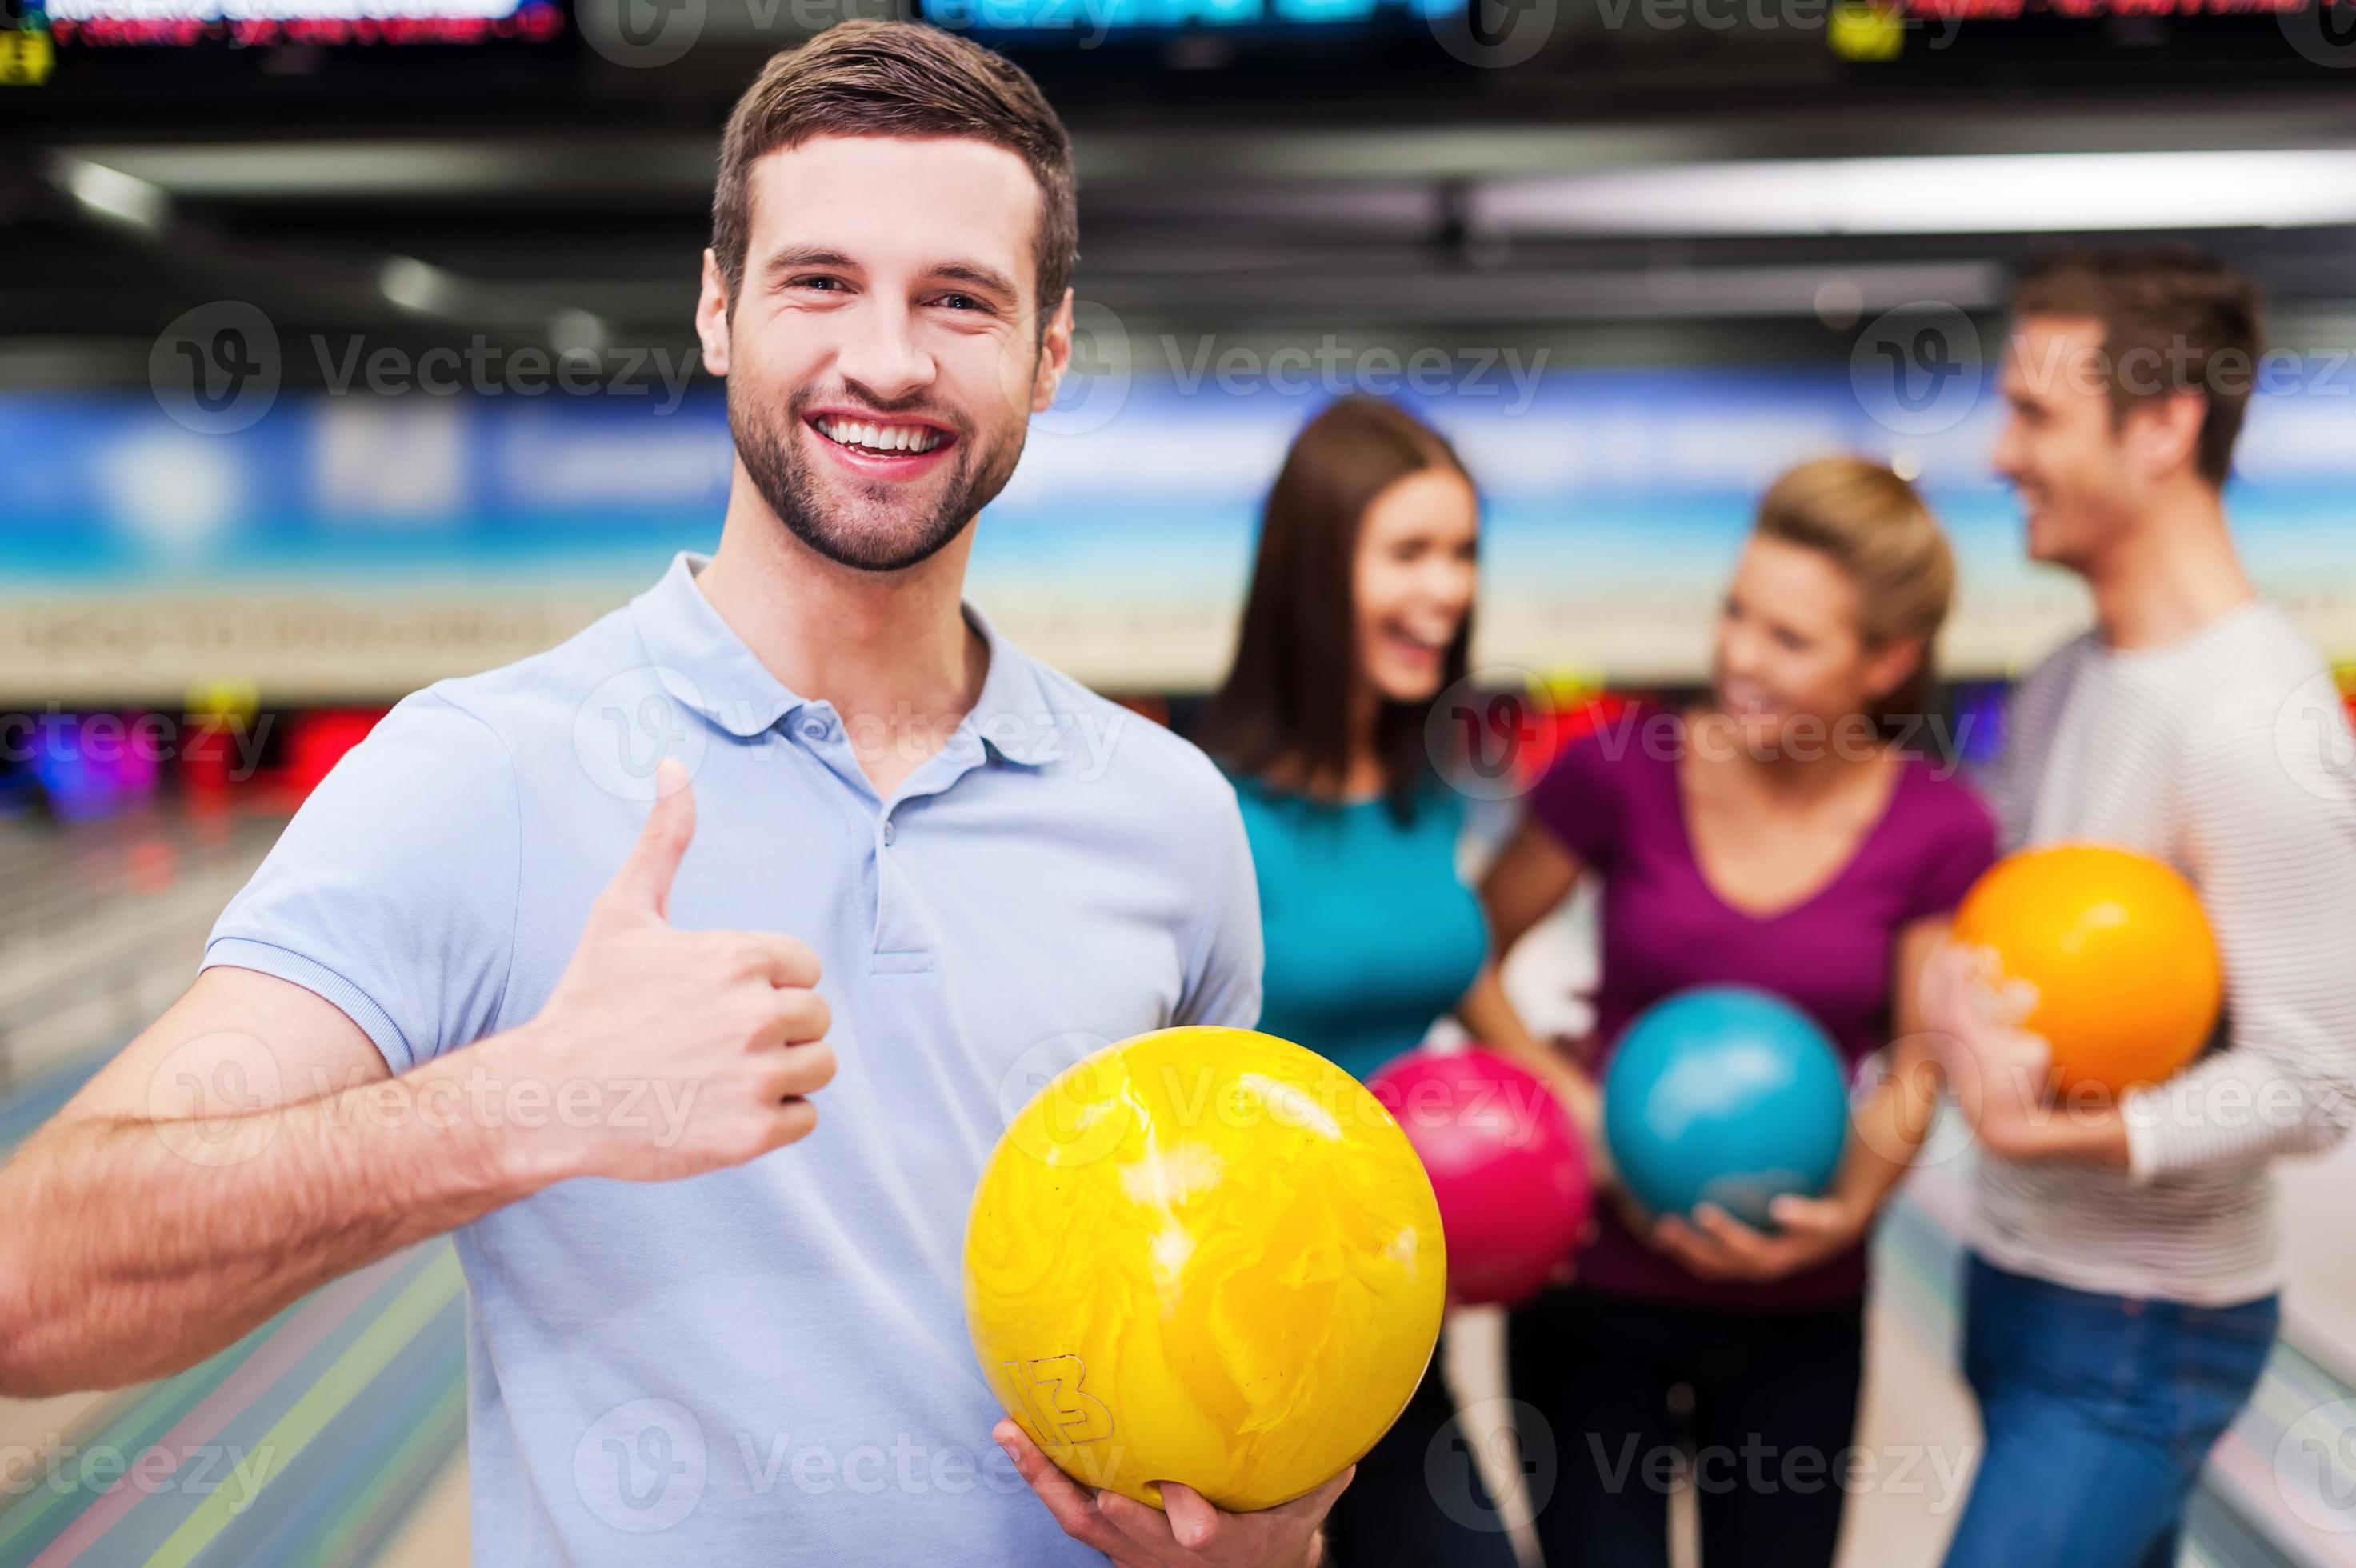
(1874, 526)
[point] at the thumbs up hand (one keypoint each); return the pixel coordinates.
(699, 1048)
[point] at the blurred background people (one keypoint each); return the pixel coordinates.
(2127, 1260)
(1783, 834)
(1359, 614)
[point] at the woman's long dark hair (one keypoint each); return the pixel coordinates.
(1284, 713)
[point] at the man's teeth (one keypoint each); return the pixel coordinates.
(881, 437)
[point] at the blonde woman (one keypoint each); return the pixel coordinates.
(1782, 834)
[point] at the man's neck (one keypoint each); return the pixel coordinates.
(2172, 575)
(891, 650)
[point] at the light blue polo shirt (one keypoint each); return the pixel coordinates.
(767, 1364)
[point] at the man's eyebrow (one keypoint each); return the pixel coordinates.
(793, 258)
(975, 274)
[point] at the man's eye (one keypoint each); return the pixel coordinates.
(961, 302)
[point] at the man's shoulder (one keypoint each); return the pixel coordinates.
(2263, 701)
(550, 686)
(1134, 752)
(2051, 673)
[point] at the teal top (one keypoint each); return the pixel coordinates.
(1370, 935)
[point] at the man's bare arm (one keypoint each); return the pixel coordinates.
(250, 1145)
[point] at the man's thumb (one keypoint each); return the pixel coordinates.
(644, 881)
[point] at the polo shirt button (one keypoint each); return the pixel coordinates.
(887, 829)
(814, 729)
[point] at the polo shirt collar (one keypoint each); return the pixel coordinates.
(1012, 715)
(706, 667)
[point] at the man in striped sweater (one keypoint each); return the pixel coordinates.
(2125, 1262)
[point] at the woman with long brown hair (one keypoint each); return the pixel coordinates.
(1359, 617)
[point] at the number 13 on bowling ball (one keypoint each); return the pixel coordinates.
(1208, 1256)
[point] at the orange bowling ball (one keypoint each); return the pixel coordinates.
(2102, 951)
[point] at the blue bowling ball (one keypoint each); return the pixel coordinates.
(1724, 1095)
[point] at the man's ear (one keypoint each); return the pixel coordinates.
(1055, 356)
(711, 316)
(2164, 432)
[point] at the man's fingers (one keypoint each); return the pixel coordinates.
(788, 962)
(803, 1070)
(1070, 1504)
(1193, 1522)
(1152, 1533)
(796, 1119)
(797, 1017)
(643, 885)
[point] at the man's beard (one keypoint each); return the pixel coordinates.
(766, 445)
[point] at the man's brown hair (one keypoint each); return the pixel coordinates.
(2194, 323)
(897, 79)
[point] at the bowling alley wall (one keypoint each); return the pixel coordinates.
(346, 549)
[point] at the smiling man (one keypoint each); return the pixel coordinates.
(930, 872)
(2124, 1257)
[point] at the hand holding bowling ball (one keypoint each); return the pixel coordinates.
(1808, 1231)
(1206, 1256)
(2102, 953)
(1186, 1530)
(1728, 1097)
(1505, 1162)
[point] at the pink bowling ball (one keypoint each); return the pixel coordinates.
(1505, 1161)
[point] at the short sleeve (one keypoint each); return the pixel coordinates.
(393, 893)
(1578, 800)
(1962, 845)
(1224, 981)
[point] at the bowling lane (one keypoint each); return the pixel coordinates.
(312, 1438)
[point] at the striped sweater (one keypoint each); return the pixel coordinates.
(2227, 755)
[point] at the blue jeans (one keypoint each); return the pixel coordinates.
(2098, 1411)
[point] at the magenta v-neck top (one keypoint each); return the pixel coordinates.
(1612, 799)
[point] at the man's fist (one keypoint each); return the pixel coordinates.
(698, 1047)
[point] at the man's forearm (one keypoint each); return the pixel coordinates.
(134, 1249)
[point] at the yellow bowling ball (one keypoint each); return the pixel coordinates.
(2102, 951)
(1205, 1255)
